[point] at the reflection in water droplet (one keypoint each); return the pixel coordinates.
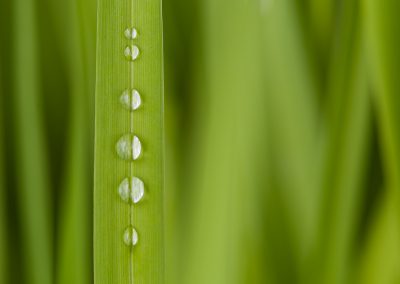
(123, 190)
(131, 52)
(131, 33)
(137, 187)
(130, 101)
(136, 147)
(130, 236)
(136, 100)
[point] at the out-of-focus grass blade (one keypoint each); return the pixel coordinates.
(74, 228)
(3, 227)
(320, 17)
(221, 184)
(384, 41)
(346, 173)
(183, 63)
(381, 262)
(345, 144)
(7, 227)
(30, 150)
(292, 120)
(380, 258)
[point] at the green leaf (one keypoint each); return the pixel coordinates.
(113, 260)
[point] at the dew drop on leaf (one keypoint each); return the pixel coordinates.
(130, 236)
(131, 190)
(131, 33)
(131, 52)
(130, 100)
(129, 148)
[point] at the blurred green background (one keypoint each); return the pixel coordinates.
(282, 121)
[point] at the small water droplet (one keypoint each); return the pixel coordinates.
(131, 33)
(131, 52)
(130, 101)
(130, 236)
(128, 148)
(137, 187)
(123, 190)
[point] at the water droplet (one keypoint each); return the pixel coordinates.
(130, 236)
(137, 187)
(136, 147)
(131, 52)
(124, 190)
(128, 148)
(130, 101)
(133, 190)
(131, 33)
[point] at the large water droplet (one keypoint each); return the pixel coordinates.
(137, 187)
(131, 52)
(131, 33)
(130, 236)
(133, 190)
(124, 190)
(129, 147)
(130, 101)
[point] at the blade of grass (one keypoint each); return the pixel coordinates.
(221, 184)
(345, 150)
(383, 41)
(4, 20)
(112, 259)
(3, 227)
(31, 162)
(13, 266)
(74, 255)
(291, 104)
(381, 258)
(349, 142)
(184, 58)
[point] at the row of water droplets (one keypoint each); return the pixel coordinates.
(129, 147)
